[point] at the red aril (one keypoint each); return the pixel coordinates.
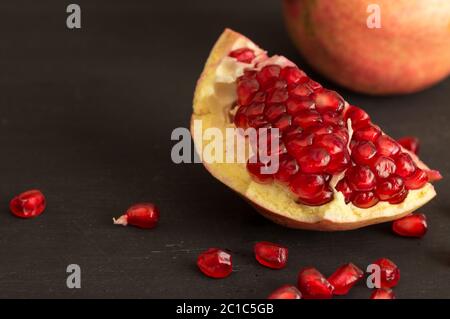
(410, 143)
(215, 263)
(288, 168)
(268, 75)
(344, 278)
(365, 199)
(383, 293)
(328, 101)
(390, 274)
(405, 165)
(28, 204)
(311, 189)
(363, 153)
(369, 132)
(255, 168)
(357, 116)
(386, 146)
(434, 175)
(271, 255)
(390, 188)
(411, 226)
(343, 187)
(246, 90)
(142, 215)
(361, 178)
(243, 55)
(293, 75)
(286, 292)
(313, 285)
(416, 180)
(313, 159)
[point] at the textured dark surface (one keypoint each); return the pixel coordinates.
(86, 116)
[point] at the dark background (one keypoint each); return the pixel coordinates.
(86, 116)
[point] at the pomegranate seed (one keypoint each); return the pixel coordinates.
(274, 111)
(268, 75)
(277, 96)
(365, 199)
(28, 204)
(410, 143)
(364, 152)
(307, 119)
(411, 226)
(254, 167)
(254, 109)
(293, 75)
(383, 293)
(320, 129)
(271, 255)
(296, 143)
(315, 86)
(314, 285)
(339, 163)
(384, 167)
(390, 188)
(386, 146)
(342, 133)
(246, 90)
(358, 117)
(399, 198)
(311, 189)
(345, 189)
(244, 55)
(344, 278)
(328, 101)
(286, 292)
(361, 178)
(390, 274)
(215, 263)
(240, 118)
(330, 142)
(333, 118)
(143, 215)
(300, 90)
(433, 175)
(283, 123)
(298, 105)
(367, 133)
(313, 159)
(416, 180)
(287, 169)
(405, 165)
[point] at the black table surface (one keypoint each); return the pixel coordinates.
(86, 116)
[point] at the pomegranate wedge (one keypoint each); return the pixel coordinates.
(337, 169)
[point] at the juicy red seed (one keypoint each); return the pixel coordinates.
(255, 109)
(313, 159)
(241, 119)
(345, 189)
(297, 105)
(268, 75)
(358, 117)
(258, 122)
(363, 152)
(330, 142)
(287, 169)
(314, 285)
(320, 199)
(390, 188)
(311, 189)
(244, 55)
(246, 90)
(259, 97)
(364, 199)
(342, 133)
(384, 167)
(411, 226)
(383, 293)
(254, 167)
(434, 175)
(28, 204)
(271, 255)
(314, 85)
(386, 146)
(390, 274)
(416, 180)
(300, 90)
(215, 263)
(292, 132)
(410, 143)
(286, 292)
(278, 84)
(405, 165)
(249, 74)
(296, 143)
(367, 133)
(361, 178)
(399, 198)
(277, 96)
(344, 278)
(339, 163)
(293, 75)
(283, 123)
(142, 215)
(320, 129)
(307, 119)
(273, 112)
(328, 101)
(333, 118)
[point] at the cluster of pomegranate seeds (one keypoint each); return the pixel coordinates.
(143, 215)
(314, 285)
(271, 255)
(215, 263)
(383, 293)
(314, 139)
(344, 278)
(411, 226)
(286, 292)
(28, 204)
(390, 274)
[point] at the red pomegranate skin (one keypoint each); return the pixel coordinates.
(410, 51)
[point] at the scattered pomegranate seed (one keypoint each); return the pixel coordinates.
(313, 285)
(411, 226)
(390, 274)
(143, 215)
(383, 293)
(344, 278)
(286, 292)
(28, 204)
(215, 263)
(244, 55)
(410, 143)
(271, 255)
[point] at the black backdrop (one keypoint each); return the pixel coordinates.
(86, 116)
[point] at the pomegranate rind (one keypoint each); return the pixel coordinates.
(212, 104)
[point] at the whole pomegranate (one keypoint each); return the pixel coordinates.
(407, 51)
